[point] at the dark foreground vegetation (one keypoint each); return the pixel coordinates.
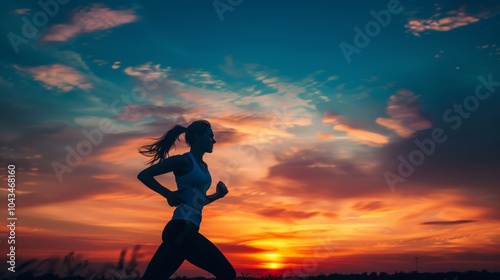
(74, 267)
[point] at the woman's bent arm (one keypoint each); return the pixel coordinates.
(151, 183)
(167, 165)
(220, 192)
(211, 198)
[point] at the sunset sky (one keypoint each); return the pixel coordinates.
(352, 137)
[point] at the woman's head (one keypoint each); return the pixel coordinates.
(199, 135)
(197, 131)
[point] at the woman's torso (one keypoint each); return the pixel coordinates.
(193, 187)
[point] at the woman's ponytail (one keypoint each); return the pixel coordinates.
(160, 148)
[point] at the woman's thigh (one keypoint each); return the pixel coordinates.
(205, 255)
(171, 253)
(177, 232)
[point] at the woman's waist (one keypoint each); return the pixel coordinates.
(193, 196)
(190, 207)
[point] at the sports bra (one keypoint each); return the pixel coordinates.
(195, 185)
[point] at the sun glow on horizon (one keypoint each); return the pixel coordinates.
(272, 261)
(274, 265)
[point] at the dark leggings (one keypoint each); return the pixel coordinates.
(182, 241)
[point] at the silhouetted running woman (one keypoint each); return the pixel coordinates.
(181, 237)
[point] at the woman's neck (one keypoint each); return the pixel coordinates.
(198, 155)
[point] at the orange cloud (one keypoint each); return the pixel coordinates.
(368, 206)
(88, 20)
(417, 26)
(285, 214)
(404, 114)
(105, 176)
(324, 136)
(63, 77)
(330, 117)
(362, 136)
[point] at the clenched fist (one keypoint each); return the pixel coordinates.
(221, 190)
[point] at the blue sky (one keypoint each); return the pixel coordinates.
(322, 126)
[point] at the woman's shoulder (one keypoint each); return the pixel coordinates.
(179, 159)
(184, 164)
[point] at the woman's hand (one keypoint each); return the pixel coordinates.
(221, 190)
(174, 198)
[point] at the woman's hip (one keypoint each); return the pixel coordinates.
(177, 232)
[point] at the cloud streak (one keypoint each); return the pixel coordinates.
(404, 114)
(360, 135)
(58, 76)
(448, 223)
(286, 214)
(458, 19)
(87, 20)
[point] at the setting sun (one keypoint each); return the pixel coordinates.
(274, 265)
(271, 261)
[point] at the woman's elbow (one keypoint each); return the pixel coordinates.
(141, 176)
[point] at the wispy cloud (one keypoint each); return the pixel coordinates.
(135, 112)
(59, 76)
(116, 65)
(362, 136)
(204, 79)
(324, 136)
(286, 214)
(229, 67)
(404, 114)
(22, 11)
(448, 223)
(87, 20)
(147, 71)
(368, 206)
(455, 20)
(358, 134)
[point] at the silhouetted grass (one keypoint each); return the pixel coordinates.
(74, 267)
(123, 270)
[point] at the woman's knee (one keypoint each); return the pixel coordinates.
(232, 273)
(227, 274)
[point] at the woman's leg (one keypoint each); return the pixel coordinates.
(205, 255)
(171, 253)
(164, 263)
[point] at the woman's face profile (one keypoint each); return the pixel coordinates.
(207, 141)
